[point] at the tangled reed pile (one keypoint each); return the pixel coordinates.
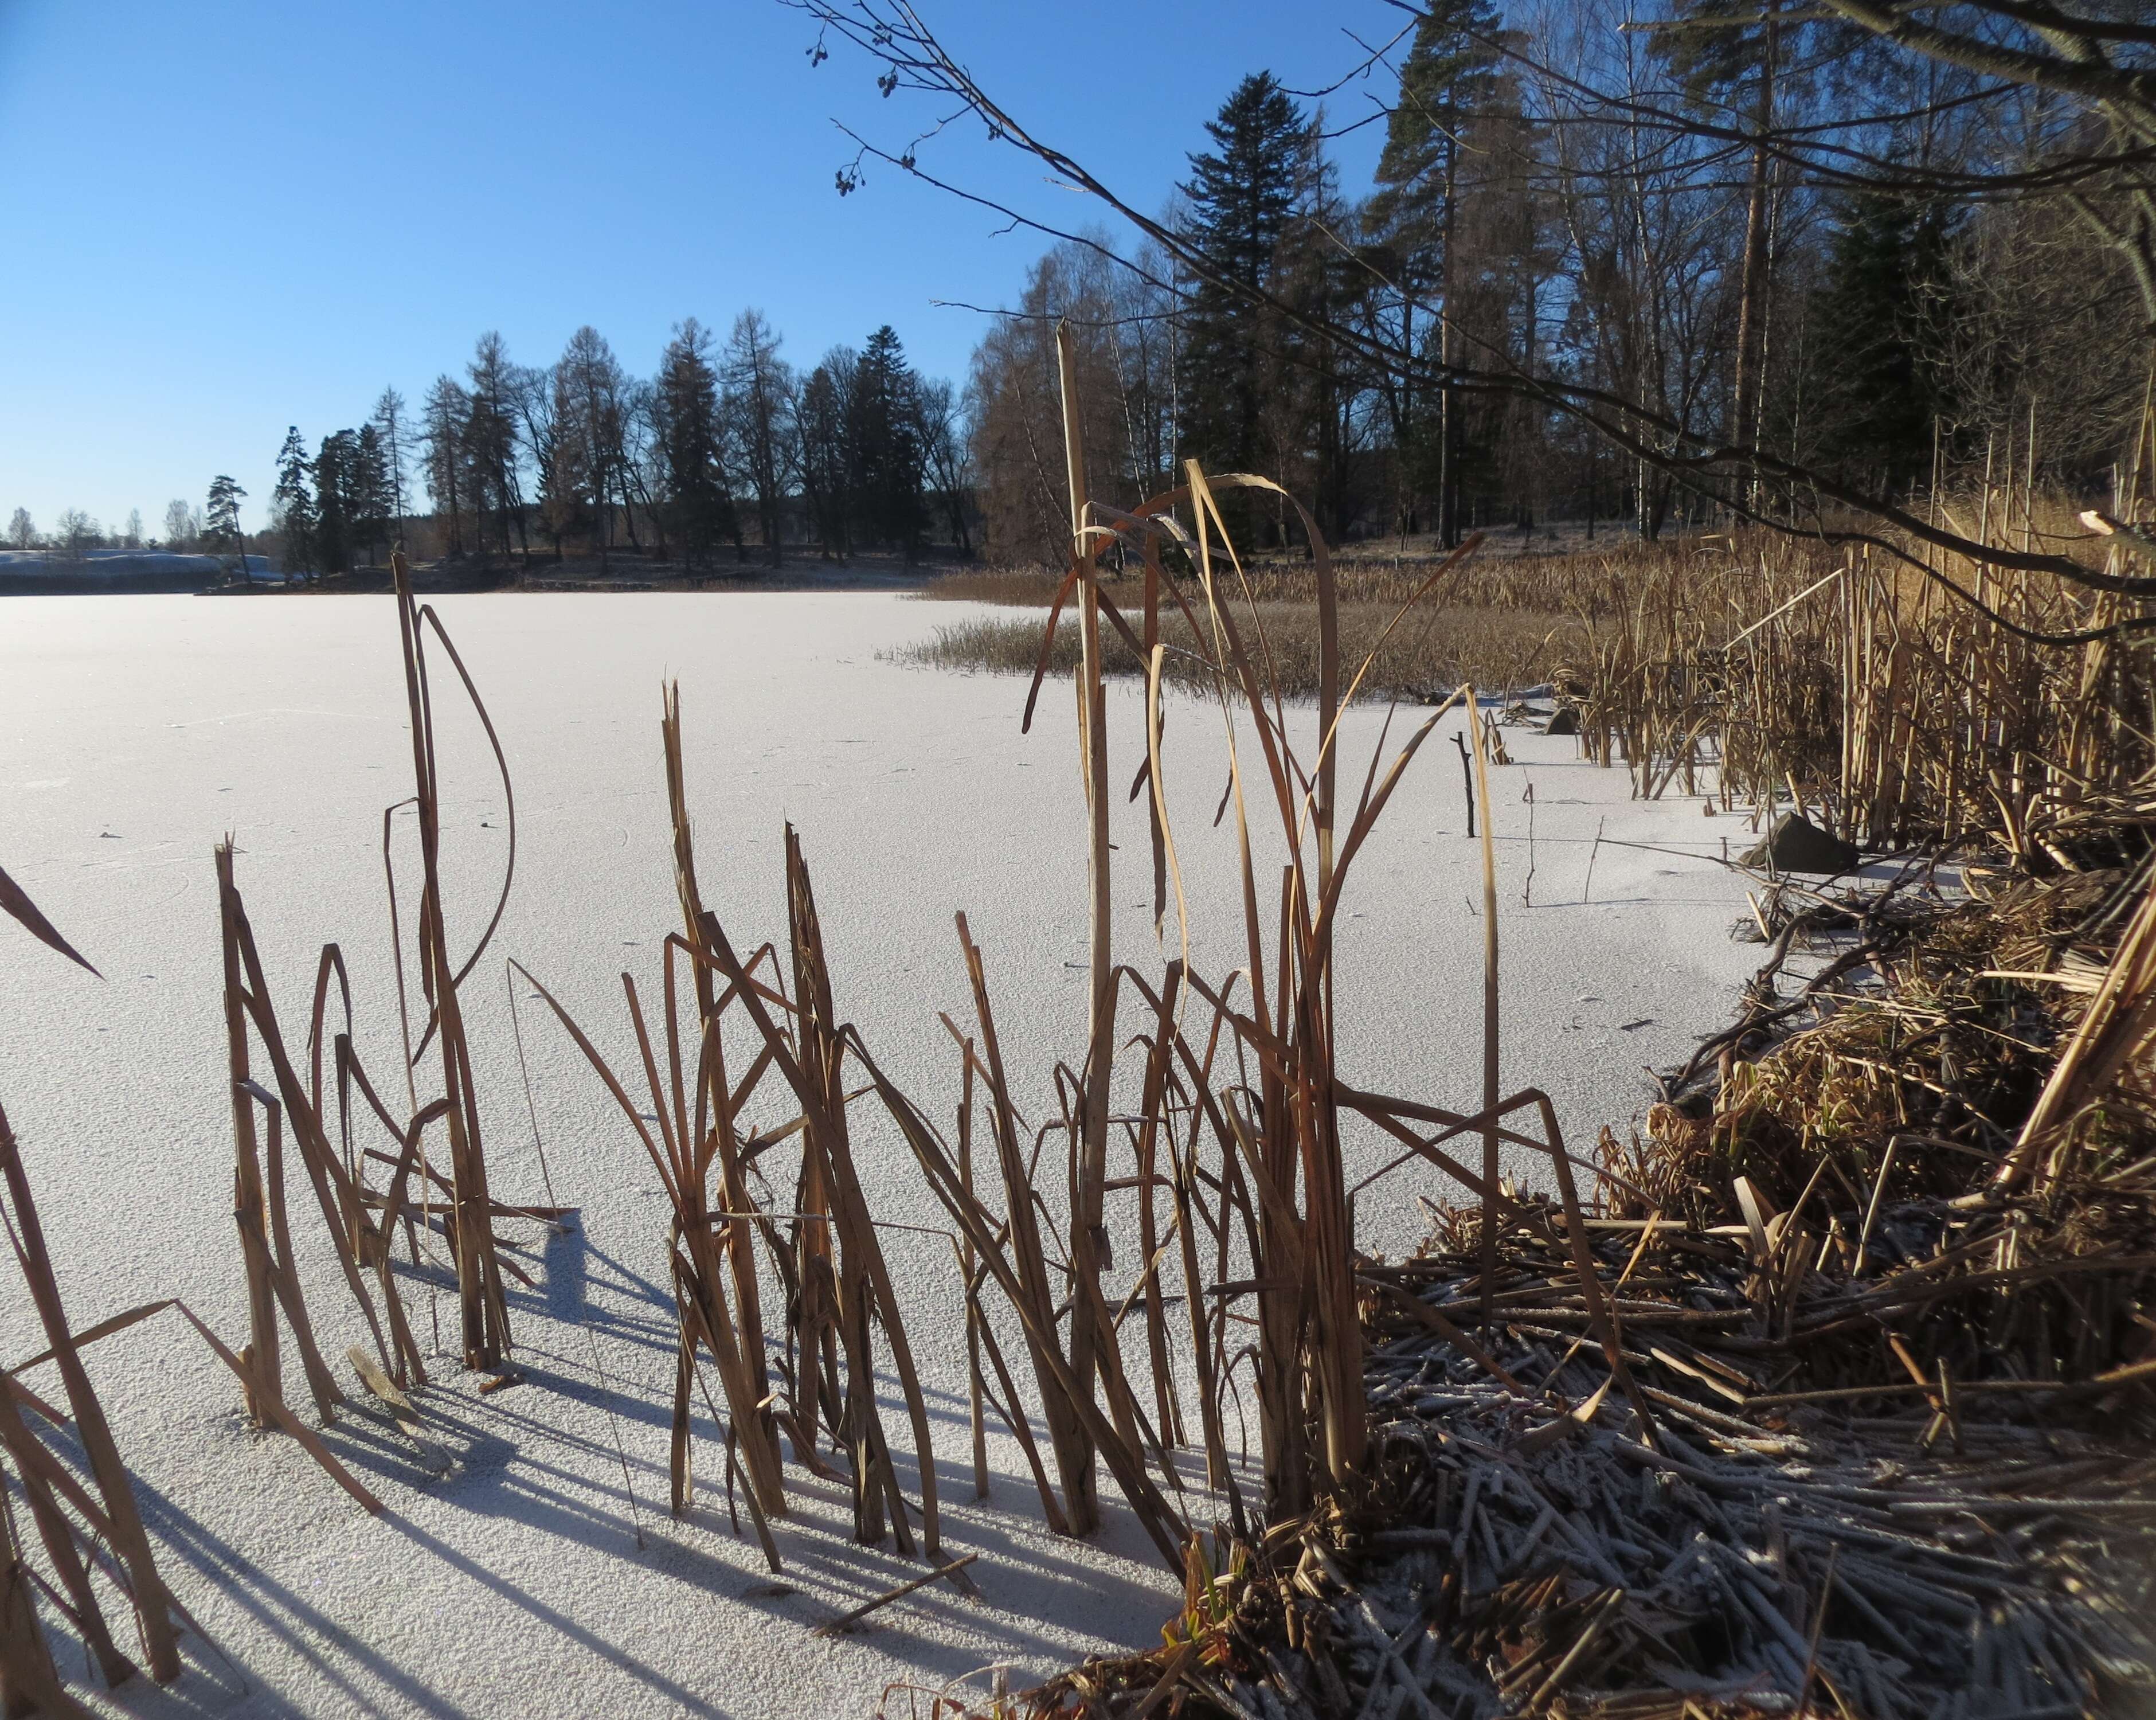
(1883, 1268)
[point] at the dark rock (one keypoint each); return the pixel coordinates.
(1563, 720)
(1795, 844)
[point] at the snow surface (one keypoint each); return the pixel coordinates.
(135, 731)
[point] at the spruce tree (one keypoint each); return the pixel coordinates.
(698, 496)
(887, 452)
(757, 386)
(337, 501)
(1879, 385)
(1241, 195)
(372, 499)
(293, 500)
(490, 444)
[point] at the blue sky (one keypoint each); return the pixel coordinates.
(225, 218)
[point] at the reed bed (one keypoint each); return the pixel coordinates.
(1421, 663)
(1554, 584)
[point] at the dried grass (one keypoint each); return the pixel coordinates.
(1420, 663)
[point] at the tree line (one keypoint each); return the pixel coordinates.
(726, 451)
(213, 528)
(1650, 260)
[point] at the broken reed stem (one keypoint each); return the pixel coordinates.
(976, 1387)
(263, 1378)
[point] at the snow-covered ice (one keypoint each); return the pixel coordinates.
(135, 731)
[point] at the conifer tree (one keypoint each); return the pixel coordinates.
(448, 409)
(1879, 386)
(757, 385)
(1241, 195)
(293, 500)
(337, 501)
(490, 445)
(373, 502)
(221, 534)
(824, 425)
(393, 434)
(887, 452)
(689, 436)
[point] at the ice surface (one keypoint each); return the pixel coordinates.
(137, 731)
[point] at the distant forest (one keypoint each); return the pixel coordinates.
(726, 453)
(1748, 227)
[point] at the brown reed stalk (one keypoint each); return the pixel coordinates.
(717, 1106)
(968, 1273)
(2115, 1029)
(249, 1206)
(29, 1682)
(1161, 1520)
(699, 1283)
(862, 1278)
(1493, 1013)
(1090, 1249)
(122, 1524)
(481, 1303)
(336, 1191)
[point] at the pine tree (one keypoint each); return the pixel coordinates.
(294, 502)
(490, 445)
(221, 534)
(592, 406)
(825, 426)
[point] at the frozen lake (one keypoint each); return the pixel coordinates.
(135, 732)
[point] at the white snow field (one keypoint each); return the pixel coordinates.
(135, 731)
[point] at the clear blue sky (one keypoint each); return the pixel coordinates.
(222, 218)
